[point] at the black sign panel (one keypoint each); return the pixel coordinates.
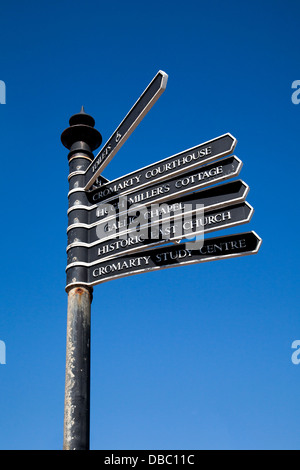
(229, 246)
(127, 126)
(165, 169)
(159, 234)
(174, 187)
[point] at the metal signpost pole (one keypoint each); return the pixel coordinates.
(104, 244)
(81, 139)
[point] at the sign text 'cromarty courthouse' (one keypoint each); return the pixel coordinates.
(169, 167)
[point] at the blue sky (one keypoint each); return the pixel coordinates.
(197, 357)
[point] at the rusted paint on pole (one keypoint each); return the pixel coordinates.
(81, 138)
(77, 385)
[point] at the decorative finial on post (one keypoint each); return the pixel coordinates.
(81, 136)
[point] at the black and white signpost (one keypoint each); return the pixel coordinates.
(156, 217)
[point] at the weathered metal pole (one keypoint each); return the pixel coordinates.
(77, 386)
(81, 139)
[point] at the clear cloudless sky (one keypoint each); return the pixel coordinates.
(197, 357)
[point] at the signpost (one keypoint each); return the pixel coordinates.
(141, 222)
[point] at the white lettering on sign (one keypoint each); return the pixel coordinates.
(177, 163)
(168, 255)
(121, 265)
(158, 210)
(223, 247)
(159, 190)
(101, 157)
(110, 190)
(189, 180)
(116, 245)
(207, 220)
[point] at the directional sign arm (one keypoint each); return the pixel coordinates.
(213, 249)
(164, 169)
(127, 126)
